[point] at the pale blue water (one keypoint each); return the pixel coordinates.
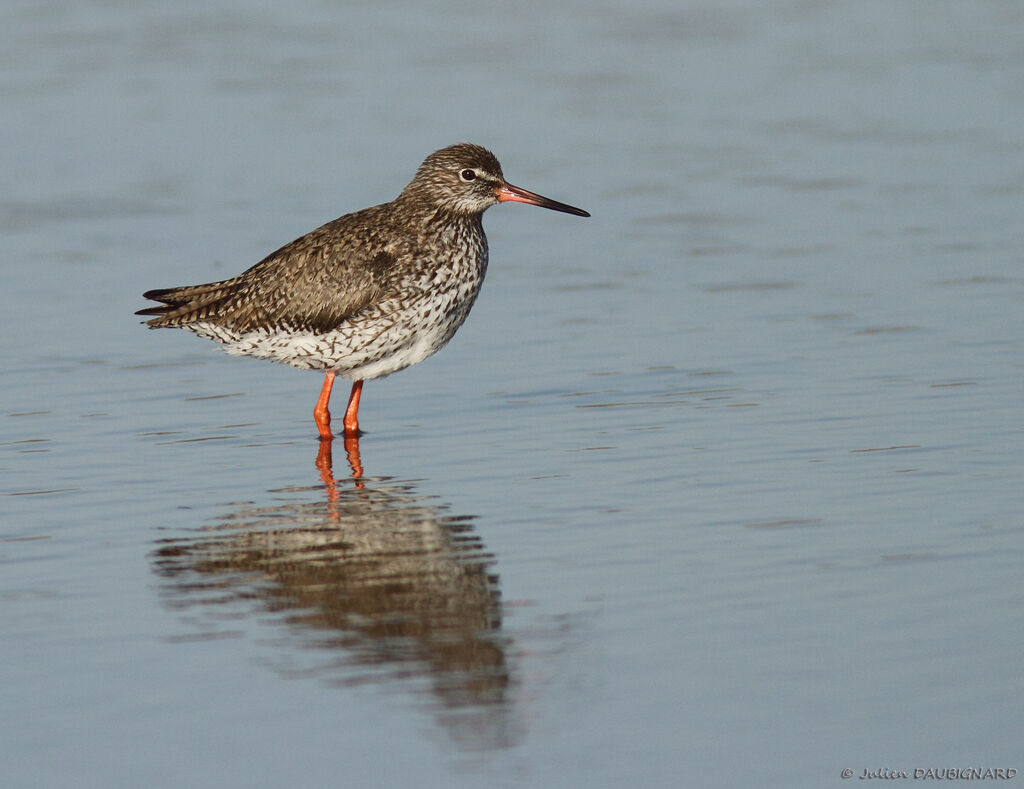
(720, 487)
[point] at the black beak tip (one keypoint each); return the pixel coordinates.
(567, 209)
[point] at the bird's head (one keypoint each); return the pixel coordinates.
(466, 179)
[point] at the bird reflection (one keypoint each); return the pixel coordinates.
(375, 583)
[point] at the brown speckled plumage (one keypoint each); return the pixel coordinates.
(369, 293)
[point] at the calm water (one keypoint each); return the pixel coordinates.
(721, 487)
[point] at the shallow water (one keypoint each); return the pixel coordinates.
(719, 487)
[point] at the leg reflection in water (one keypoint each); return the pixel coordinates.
(325, 463)
(373, 582)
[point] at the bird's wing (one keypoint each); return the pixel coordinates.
(314, 283)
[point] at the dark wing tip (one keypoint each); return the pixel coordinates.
(165, 295)
(154, 310)
(159, 294)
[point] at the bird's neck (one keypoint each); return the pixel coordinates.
(418, 211)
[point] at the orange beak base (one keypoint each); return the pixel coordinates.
(508, 193)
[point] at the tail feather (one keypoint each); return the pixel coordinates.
(181, 305)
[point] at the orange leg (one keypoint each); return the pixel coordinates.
(320, 413)
(352, 412)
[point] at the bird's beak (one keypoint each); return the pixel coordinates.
(507, 192)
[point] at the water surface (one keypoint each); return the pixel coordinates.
(719, 487)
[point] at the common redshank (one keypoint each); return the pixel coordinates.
(367, 294)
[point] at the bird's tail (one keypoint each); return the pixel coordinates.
(184, 305)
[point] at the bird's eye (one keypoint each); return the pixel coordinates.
(467, 174)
